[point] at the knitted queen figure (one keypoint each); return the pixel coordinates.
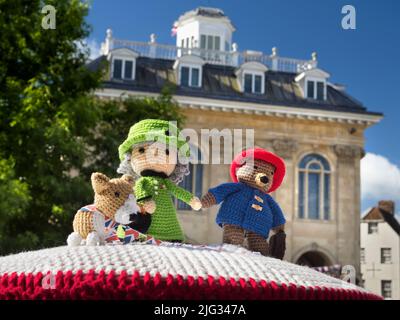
(247, 209)
(152, 153)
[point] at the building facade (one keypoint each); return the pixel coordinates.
(380, 251)
(290, 104)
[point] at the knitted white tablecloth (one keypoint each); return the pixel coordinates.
(167, 271)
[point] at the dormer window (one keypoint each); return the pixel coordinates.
(251, 77)
(189, 76)
(122, 64)
(315, 90)
(313, 84)
(253, 83)
(123, 69)
(189, 71)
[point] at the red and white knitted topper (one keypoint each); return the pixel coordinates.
(167, 271)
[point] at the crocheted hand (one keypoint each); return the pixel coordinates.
(277, 245)
(208, 200)
(149, 206)
(195, 203)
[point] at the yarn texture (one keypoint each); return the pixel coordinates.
(247, 207)
(167, 271)
(164, 224)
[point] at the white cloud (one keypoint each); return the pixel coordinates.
(380, 179)
(94, 49)
(92, 46)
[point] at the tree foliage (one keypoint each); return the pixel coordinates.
(53, 132)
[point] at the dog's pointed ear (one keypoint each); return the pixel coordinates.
(128, 178)
(99, 182)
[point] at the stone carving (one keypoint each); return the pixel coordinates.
(348, 151)
(284, 147)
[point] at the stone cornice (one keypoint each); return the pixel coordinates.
(364, 119)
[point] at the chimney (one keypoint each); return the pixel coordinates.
(386, 205)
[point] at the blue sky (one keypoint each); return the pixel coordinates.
(366, 60)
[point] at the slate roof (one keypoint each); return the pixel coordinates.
(220, 82)
(380, 214)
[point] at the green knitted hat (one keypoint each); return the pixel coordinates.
(152, 130)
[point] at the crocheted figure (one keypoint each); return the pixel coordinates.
(107, 219)
(153, 152)
(247, 210)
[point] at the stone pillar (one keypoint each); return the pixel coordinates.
(348, 204)
(285, 148)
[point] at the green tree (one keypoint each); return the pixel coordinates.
(53, 132)
(45, 115)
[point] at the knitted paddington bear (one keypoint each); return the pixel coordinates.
(152, 152)
(107, 219)
(247, 209)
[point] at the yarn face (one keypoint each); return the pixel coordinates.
(111, 194)
(153, 157)
(257, 173)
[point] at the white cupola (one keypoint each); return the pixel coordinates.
(204, 28)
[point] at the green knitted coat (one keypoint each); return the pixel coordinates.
(164, 222)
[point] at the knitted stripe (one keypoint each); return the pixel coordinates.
(113, 286)
(166, 271)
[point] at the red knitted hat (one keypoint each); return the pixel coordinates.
(260, 154)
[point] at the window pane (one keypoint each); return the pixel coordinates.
(386, 288)
(301, 195)
(128, 69)
(247, 83)
(210, 42)
(195, 77)
(310, 89)
(327, 209)
(386, 255)
(311, 157)
(227, 48)
(217, 43)
(362, 255)
(320, 90)
(184, 76)
(313, 195)
(117, 72)
(257, 84)
(314, 166)
(372, 227)
(202, 41)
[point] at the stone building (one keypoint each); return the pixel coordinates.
(380, 250)
(293, 108)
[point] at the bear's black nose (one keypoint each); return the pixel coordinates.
(264, 179)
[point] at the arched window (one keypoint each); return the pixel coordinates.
(314, 187)
(194, 181)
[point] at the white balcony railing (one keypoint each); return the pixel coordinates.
(231, 58)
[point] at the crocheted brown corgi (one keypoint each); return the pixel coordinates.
(114, 216)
